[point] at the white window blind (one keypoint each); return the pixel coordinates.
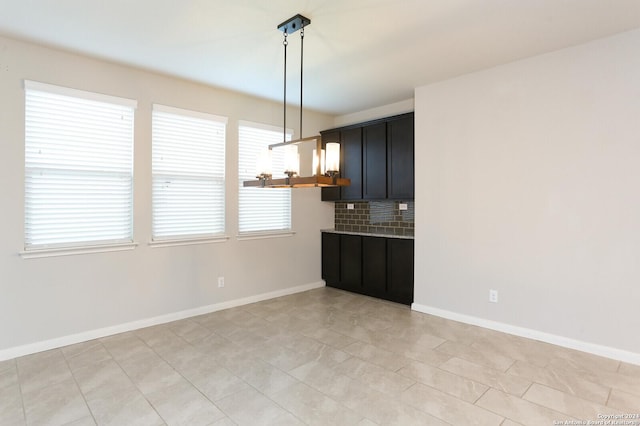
(78, 168)
(188, 164)
(261, 209)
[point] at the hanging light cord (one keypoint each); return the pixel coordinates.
(285, 43)
(284, 124)
(301, 56)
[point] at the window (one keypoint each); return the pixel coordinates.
(261, 210)
(188, 164)
(78, 168)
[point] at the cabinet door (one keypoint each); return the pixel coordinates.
(374, 266)
(400, 270)
(331, 259)
(331, 193)
(374, 161)
(351, 163)
(400, 158)
(351, 263)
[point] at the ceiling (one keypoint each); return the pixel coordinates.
(358, 54)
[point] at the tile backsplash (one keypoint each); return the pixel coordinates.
(375, 217)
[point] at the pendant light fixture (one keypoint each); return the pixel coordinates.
(326, 162)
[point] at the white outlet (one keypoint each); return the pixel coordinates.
(493, 296)
(220, 282)
(350, 206)
(403, 206)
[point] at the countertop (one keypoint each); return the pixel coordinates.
(368, 234)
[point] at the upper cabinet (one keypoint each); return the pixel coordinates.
(378, 157)
(351, 162)
(400, 158)
(374, 161)
(350, 140)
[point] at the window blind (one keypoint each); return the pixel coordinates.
(188, 167)
(260, 209)
(78, 167)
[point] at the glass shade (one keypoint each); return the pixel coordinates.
(291, 160)
(315, 162)
(263, 166)
(333, 157)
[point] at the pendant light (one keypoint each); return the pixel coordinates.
(326, 168)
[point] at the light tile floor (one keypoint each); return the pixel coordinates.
(323, 357)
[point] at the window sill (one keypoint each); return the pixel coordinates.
(188, 241)
(71, 251)
(264, 235)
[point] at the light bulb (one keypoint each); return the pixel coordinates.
(263, 166)
(315, 162)
(333, 157)
(291, 160)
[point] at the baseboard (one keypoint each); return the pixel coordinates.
(592, 348)
(46, 345)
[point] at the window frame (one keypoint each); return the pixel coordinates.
(262, 233)
(32, 163)
(177, 239)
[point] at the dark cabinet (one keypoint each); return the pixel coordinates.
(374, 161)
(351, 263)
(374, 266)
(330, 257)
(400, 270)
(400, 158)
(378, 157)
(350, 164)
(330, 136)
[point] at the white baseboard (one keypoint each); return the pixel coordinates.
(592, 348)
(46, 345)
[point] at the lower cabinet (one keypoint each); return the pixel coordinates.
(330, 257)
(351, 263)
(375, 266)
(400, 270)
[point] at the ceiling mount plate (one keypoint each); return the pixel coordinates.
(293, 24)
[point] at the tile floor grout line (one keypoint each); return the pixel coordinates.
(504, 417)
(535, 381)
(483, 394)
(240, 378)
(509, 367)
(276, 402)
(459, 399)
(75, 380)
(184, 377)
(24, 409)
(606, 404)
(549, 408)
(131, 379)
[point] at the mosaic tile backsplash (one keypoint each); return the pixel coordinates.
(375, 217)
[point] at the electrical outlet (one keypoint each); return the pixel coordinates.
(350, 206)
(403, 206)
(220, 282)
(493, 296)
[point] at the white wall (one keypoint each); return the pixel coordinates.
(49, 298)
(528, 182)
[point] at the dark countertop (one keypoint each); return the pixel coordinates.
(368, 234)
